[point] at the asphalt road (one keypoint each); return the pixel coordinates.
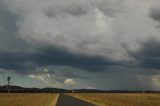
(65, 100)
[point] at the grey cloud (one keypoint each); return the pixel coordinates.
(90, 34)
(154, 13)
(8, 37)
(109, 7)
(16, 61)
(71, 8)
(149, 55)
(44, 57)
(58, 74)
(63, 71)
(78, 10)
(76, 37)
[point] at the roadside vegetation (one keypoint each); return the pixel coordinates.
(28, 99)
(116, 99)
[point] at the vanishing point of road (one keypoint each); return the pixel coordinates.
(66, 100)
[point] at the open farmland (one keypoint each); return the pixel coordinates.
(27, 99)
(115, 99)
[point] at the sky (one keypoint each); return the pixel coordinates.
(73, 44)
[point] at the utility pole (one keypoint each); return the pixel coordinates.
(8, 84)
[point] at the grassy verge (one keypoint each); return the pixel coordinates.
(28, 99)
(115, 99)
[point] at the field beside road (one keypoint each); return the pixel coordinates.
(27, 99)
(119, 99)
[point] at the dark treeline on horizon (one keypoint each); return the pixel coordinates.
(18, 89)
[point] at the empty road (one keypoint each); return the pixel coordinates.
(65, 100)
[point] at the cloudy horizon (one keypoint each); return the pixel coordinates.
(103, 44)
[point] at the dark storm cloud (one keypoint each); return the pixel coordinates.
(23, 61)
(14, 54)
(54, 56)
(149, 55)
(148, 59)
(155, 13)
(89, 36)
(16, 61)
(8, 36)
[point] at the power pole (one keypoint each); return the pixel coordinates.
(8, 84)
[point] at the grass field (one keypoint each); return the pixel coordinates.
(27, 99)
(109, 99)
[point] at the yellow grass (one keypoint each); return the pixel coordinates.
(27, 99)
(115, 99)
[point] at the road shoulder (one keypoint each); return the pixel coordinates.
(55, 100)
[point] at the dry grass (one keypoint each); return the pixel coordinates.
(27, 99)
(115, 99)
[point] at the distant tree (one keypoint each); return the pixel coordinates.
(8, 84)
